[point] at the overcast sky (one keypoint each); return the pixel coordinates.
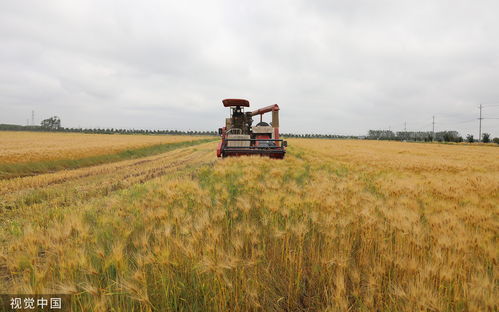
(333, 66)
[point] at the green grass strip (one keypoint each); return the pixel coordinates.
(8, 171)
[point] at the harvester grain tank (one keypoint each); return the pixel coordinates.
(239, 137)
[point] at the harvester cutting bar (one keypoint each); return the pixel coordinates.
(244, 151)
(253, 140)
(278, 143)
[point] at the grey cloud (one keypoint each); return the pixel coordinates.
(333, 66)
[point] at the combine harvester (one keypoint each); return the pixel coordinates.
(240, 138)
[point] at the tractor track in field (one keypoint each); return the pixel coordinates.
(64, 176)
(16, 170)
(89, 174)
(156, 172)
(84, 184)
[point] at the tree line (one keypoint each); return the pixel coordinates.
(8, 127)
(54, 124)
(427, 136)
(50, 127)
(321, 136)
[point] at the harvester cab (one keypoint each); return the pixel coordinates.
(239, 137)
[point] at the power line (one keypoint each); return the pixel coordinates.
(459, 122)
(448, 120)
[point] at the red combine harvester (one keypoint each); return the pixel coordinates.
(240, 138)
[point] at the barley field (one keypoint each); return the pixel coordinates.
(337, 225)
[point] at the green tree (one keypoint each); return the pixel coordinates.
(486, 138)
(52, 123)
(470, 138)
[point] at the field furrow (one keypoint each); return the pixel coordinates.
(34, 182)
(44, 193)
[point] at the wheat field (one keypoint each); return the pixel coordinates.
(337, 225)
(17, 146)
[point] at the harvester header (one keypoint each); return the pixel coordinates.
(239, 137)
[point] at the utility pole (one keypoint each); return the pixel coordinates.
(433, 130)
(32, 117)
(480, 125)
(405, 126)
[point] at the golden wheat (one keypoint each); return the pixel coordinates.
(19, 146)
(336, 226)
